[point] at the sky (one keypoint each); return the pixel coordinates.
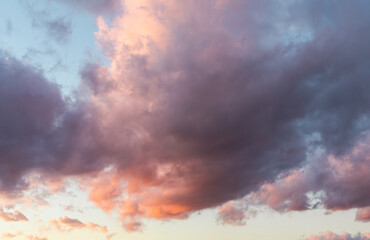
(177, 120)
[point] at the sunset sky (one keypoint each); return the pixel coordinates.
(185, 119)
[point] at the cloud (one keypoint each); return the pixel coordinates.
(132, 225)
(204, 102)
(58, 28)
(30, 106)
(32, 237)
(9, 235)
(109, 236)
(363, 214)
(231, 214)
(220, 109)
(11, 215)
(68, 224)
(332, 236)
(95, 6)
(337, 183)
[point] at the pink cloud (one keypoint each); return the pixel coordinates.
(131, 225)
(231, 214)
(12, 215)
(68, 224)
(363, 214)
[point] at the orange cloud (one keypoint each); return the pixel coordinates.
(12, 235)
(9, 235)
(105, 190)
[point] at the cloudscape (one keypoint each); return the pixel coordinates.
(170, 119)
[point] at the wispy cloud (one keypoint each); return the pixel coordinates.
(57, 28)
(68, 224)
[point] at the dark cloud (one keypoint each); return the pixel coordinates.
(30, 106)
(41, 131)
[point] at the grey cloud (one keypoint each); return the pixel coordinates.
(29, 107)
